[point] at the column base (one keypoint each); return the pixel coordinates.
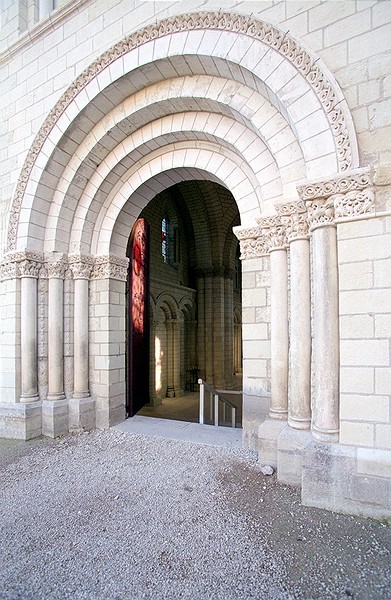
(21, 421)
(330, 436)
(81, 414)
(347, 479)
(290, 445)
(29, 398)
(268, 434)
(55, 418)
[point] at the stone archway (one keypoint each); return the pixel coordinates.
(210, 96)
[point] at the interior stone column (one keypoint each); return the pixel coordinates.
(55, 408)
(176, 357)
(325, 410)
(170, 360)
(229, 328)
(81, 408)
(29, 270)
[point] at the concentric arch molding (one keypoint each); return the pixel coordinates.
(221, 21)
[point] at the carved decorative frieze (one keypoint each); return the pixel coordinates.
(320, 213)
(354, 203)
(8, 270)
(246, 25)
(356, 180)
(254, 248)
(110, 267)
(291, 207)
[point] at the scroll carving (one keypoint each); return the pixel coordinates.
(358, 180)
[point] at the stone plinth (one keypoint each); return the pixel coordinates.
(290, 446)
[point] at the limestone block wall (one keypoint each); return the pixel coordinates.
(365, 330)
(256, 345)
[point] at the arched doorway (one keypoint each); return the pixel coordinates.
(194, 292)
(217, 97)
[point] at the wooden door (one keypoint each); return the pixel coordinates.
(138, 318)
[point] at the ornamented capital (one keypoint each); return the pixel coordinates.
(294, 216)
(320, 213)
(110, 267)
(354, 203)
(274, 230)
(55, 269)
(80, 266)
(29, 268)
(20, 264)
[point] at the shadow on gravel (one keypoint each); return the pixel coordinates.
(323, 554)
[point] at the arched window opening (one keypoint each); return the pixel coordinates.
(170, 242)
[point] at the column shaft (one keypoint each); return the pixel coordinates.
(279, 334)
(299, 411)
(56, 339)
(81, 339)
(29, 314)
(325, 419)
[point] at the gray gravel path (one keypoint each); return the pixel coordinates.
(112, 515)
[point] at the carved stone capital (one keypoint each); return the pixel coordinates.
(354, 203)
(29, 268)
(110, 267)
(80, 266)
(320, 213)
(293, 215)
(20, 264)
(274, 231)
(55, 269)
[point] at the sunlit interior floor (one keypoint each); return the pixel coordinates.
(186, 408)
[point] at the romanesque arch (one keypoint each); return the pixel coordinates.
(208, 96)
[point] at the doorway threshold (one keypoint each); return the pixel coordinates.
(182, 430)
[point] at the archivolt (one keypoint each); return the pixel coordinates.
(255, 46)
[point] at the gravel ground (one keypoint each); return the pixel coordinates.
(112, 515)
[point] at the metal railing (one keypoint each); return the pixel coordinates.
(215, 398)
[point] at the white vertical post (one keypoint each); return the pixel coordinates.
(202, 402)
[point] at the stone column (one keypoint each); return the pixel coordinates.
(294, 215)
(296, 436)
(279, 321)
(170, 360)
(176, 357)
(271, 428)
(229, 327)
(55, 408)
(325, 415)
(28, 323)
(81, 408)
